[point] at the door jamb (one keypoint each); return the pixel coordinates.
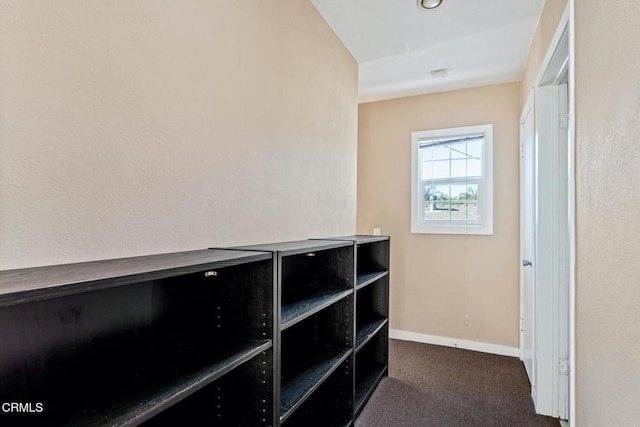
(567, 25)
(525, 112)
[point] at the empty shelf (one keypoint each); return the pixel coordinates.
(294, 312)
(298, 388)
(368, 278)
(133, 406)
(366, 332)
(366, 385)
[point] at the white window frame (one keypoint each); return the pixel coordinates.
(485, 185)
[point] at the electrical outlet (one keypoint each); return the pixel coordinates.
(377, 231)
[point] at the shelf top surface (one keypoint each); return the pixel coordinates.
(360, 238)
(297, 247)
(124, 269)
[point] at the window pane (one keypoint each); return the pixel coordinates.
(427, 153)
(458, 150)
(458, 168)
(474, 168)
(440, 169)
(474, 148)
(464, 210)
(427, 170)
(440, 152)
(436, 202)
(470, 193)
(458, 190)
(438, 210)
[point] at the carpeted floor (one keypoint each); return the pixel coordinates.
(437, 386)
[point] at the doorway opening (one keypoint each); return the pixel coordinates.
(547, 229)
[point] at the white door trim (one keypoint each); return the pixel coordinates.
(558, 62)
(571, 199)
(525, 112)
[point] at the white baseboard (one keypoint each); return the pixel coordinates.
(454, 342)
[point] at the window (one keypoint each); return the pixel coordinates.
(452, 181)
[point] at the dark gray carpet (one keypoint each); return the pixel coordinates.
(430, 385)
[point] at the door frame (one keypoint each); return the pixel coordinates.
(529, 108)
(550, 310)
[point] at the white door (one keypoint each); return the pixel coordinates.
(527, 212)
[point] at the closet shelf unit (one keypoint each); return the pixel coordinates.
(127, 341)
(316, 286)
(371, 315)
(284, 334)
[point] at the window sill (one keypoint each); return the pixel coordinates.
(476, 229)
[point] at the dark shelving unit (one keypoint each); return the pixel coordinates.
(371, 315)
(316, 287)
(292, 334)
(120, 342)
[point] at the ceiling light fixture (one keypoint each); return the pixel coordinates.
(430, 4)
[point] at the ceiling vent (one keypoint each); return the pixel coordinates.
(439, 73)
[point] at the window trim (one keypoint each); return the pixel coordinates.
(485, 184)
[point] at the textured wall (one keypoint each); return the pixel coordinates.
(439, 280)
(608, 202)
(144, 127)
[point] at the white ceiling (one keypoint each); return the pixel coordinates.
(397, 44)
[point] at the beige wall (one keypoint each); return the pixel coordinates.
(439, 280)
(551, 14)
(608, 202)
(145, 127)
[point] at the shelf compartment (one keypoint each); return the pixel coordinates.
(124, 353)
(311, 350)
(369, 278)
(242, 397)
(371, 366)
(372, 305)
(298, 388)
(368, 331)
(373, 256)
(331, 404)
(151, 397)
(366, 386)
(297, 311)
(306, 279)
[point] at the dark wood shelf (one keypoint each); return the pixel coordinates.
(295, 312)
(296, 247)
(131, 406)
(368, 278)
(368, 331)
(117, 342)
(360, 238)
(33, 284)
(297, 389)
(366, 385)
